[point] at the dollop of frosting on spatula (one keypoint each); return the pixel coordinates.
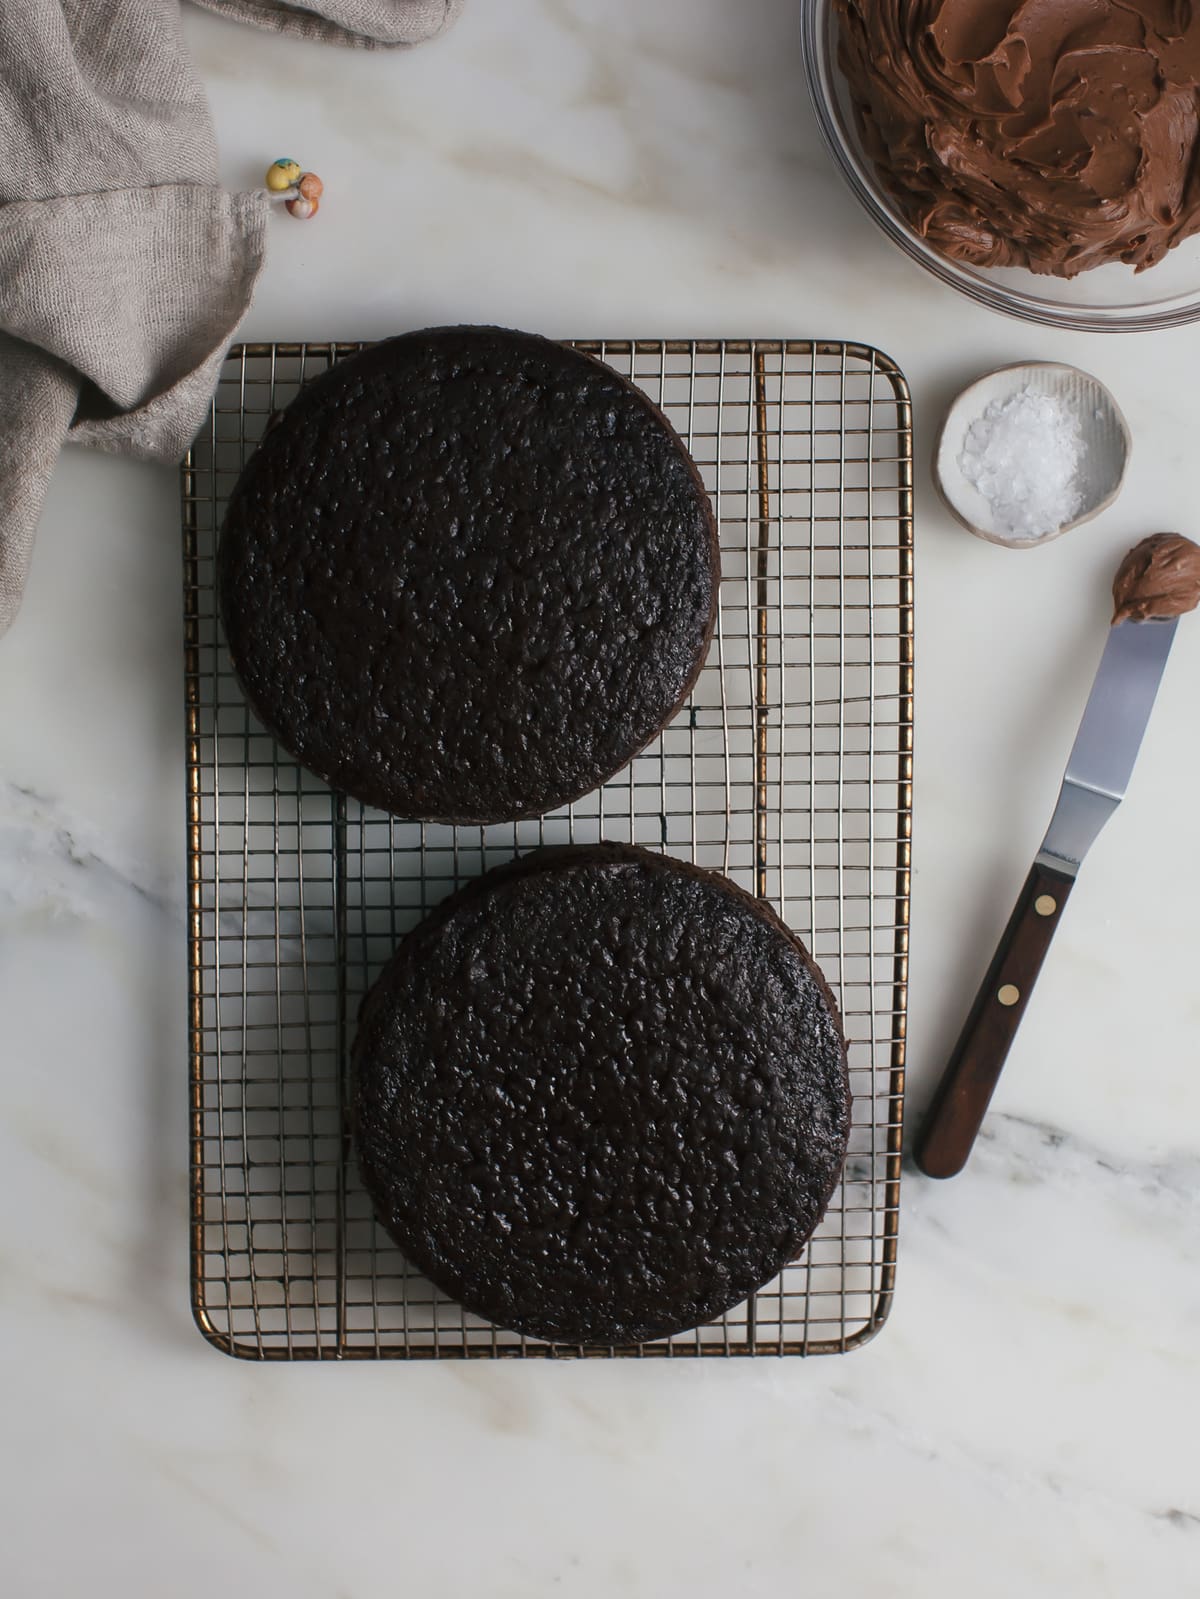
(1159, 578)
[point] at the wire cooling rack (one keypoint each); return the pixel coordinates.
(790, 770)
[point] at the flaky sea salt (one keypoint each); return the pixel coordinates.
(1023, 455)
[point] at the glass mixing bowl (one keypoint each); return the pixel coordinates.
(1108, 299)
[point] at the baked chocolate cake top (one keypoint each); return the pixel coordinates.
(601, 1096)
(468, 575)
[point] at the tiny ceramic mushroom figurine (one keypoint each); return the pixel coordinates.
(283, 174)
(301, 191)
(307, 201)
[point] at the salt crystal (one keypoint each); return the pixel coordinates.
(1023, 455)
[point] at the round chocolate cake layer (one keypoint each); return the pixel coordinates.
(468, 575)
(601, 1096)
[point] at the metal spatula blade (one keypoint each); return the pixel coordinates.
(1109, 737)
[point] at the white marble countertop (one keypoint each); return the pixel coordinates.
(1024, 1424)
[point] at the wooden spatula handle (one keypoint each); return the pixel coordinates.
(967, 1085)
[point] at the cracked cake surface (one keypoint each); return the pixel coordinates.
(468, 574)
(600, 1095)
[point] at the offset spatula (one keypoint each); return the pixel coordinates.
(1096, 778)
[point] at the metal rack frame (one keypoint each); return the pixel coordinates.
(790, 770)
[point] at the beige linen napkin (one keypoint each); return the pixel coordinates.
(369, 24)
(124, 268)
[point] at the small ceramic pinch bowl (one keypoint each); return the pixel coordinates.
(1103, 456)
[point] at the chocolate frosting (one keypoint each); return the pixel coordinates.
(1160, 577)
(1050, 134)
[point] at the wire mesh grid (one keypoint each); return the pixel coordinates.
(790, 770)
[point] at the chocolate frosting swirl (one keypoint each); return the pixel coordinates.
(1050, 134)
(1160, 577)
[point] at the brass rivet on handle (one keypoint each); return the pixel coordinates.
(1045, 904)
(1009, 994)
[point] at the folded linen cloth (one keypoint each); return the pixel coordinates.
(124, 267)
